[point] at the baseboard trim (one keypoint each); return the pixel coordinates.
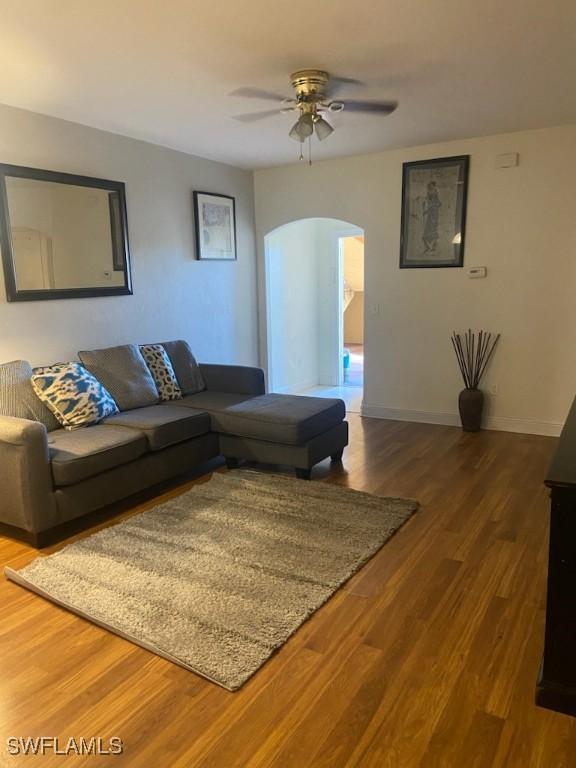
(524, 426)
(404, 414)
(497, 423)
(296, 389)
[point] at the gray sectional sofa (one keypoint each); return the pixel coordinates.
(49, 475)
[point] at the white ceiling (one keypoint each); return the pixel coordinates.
(163, 71)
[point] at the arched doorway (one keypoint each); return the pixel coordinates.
(307, 302)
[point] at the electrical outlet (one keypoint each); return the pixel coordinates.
(493, 389)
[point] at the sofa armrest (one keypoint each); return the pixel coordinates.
(27, 499)
(241, 379)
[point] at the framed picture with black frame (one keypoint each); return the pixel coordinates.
(433, 221)
(215, 227)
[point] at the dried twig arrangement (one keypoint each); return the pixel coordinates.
(473, 354)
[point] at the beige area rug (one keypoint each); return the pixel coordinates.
(218, 578)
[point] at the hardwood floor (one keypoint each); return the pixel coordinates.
(427, 657)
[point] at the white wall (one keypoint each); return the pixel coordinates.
(521, 225)
(292, 276)
(212, 305)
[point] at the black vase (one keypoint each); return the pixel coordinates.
(470, 405)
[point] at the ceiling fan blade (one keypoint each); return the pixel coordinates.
(256, 93)
(253, 117)
(346, 80)
(336, 83)
(370, 107)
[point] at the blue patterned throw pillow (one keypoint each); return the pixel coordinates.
(74, 396)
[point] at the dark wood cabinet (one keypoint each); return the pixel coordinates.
(556, 687)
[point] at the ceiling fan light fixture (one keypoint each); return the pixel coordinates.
(303, 128)
(323, 129)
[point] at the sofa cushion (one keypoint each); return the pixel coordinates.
(290, 419)
(185, 367)
(124, 373)
(84, 453)
(162, 371)
(17, 396)
(212, 401)
(74, 396)
(164, 425)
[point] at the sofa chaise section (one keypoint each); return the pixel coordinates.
(276, 429)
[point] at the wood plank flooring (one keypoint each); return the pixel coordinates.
(427, 657)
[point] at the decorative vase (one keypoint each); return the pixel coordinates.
(470, 405)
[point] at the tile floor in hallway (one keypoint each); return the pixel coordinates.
(352, 396)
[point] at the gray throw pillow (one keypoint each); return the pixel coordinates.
(17, 396)
(185, 367)
(124, 373)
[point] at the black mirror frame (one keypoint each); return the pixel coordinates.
(12, 292)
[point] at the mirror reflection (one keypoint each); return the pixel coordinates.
(64, 237)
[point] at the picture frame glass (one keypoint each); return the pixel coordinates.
(215, 227)
(433, 212)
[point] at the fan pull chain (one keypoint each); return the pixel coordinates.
(301, 156)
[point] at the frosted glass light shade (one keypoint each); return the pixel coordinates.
(323, 128)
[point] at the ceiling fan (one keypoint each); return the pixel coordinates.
(314, 98)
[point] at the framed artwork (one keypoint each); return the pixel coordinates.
(434, 212)
(215, 223)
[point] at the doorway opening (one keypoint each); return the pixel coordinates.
(306, 320)
(352, 258)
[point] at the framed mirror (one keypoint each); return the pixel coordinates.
(62, 236)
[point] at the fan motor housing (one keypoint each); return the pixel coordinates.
(310, 84)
